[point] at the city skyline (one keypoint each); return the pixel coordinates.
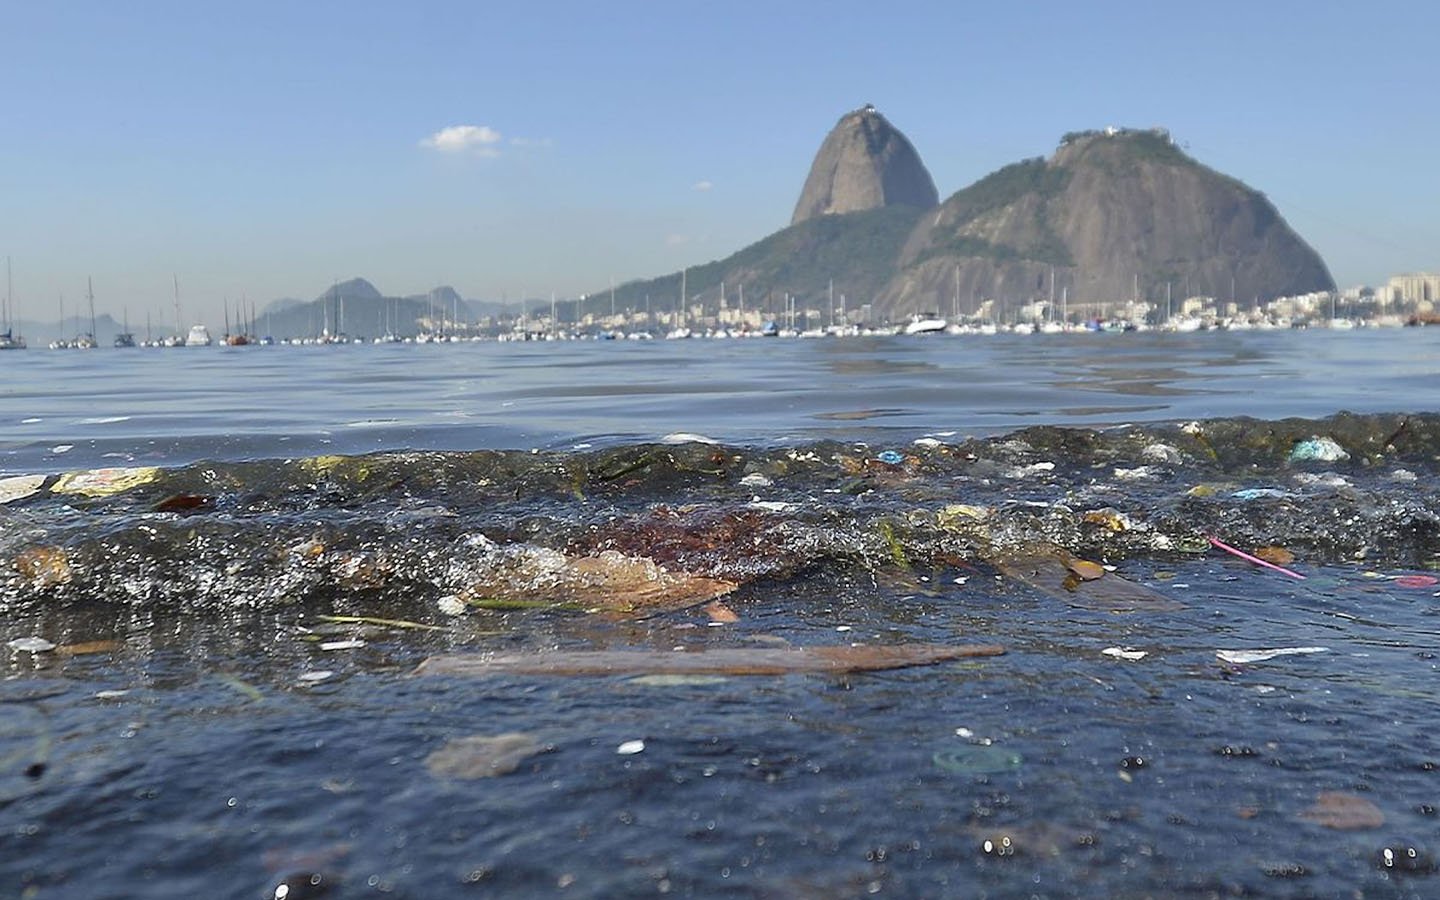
(270, 151)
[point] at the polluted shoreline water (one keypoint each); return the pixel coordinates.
(1192, 658)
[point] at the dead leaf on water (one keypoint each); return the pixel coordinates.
(719, 612)
(722, 661)
(1053, 570)
(1277, 555)
(483, 756)
(87, 648)
(606, 582)
(1344, 812)
(45, 566)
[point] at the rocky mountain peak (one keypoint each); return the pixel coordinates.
(864, 163)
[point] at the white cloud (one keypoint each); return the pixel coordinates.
(477, 139)
(702, 185)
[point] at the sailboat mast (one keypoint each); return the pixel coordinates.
(90, 293)
(176, 279)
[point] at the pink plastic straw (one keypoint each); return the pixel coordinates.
(1254, 559)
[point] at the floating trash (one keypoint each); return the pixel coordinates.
(677, 680)
(890, 457)
(1240, 657)
(1416, 581)
(630, 748)
(1321, 449)
(316, 676)
(31, 645)
(1221, 545)
(104, 482)
(18, 487)
(754, 480)
(723, 661)
(1260, 494)
(1343, 812)
(977, 759)
(1125, 653)
(483, 756)
(342, 645)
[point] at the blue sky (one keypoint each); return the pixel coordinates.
(265, 149)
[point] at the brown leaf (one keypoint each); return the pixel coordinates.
(183, 503)
(723, 661)
(1277, 555)
(719, 612)
(1085, 570)
(87, 648)
(1342, 811)
(45, 566)
(607, 582)
(1052, 570)
(483, 756)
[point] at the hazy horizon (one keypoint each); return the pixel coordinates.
(268, 151)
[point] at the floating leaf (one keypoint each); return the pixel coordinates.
(1344, 812)
(724, 661)
(45, 566)
(719, 612)
(481, 756)
(1277, 555)
(183, 503)
(1085, 570)
(523, 577)
(88, 647)
(1051, 570)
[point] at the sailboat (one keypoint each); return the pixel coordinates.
(8, 338)
(125, 338)
(87, 341)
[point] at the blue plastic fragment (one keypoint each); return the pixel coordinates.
(1259, 493)
(891, 457)
(1323, 449)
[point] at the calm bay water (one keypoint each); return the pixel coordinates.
(175, 407)
(211, 679)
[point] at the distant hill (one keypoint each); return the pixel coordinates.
(1109, 216)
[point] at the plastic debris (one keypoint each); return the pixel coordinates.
(19, 487)
(890, 457)
(104, 482)
(724, 661)
(1416, 581)
(1219, 544)
(1239, 657)
(685, 437)
(1321, 449)
(755, 479)
(342, 645)
(1260, 494)
(926, 442)
(977, 759)
(630, 748)
(451, 605)
(483, 756)
(316, 675)
(31, 645)
(1125, 653)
